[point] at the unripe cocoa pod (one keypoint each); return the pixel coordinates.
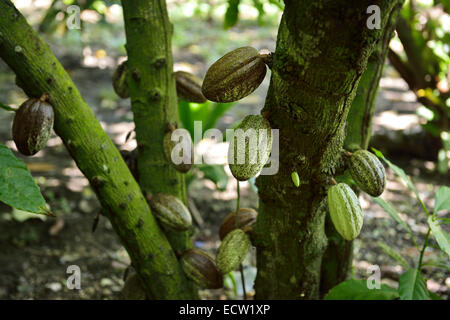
(232, 251)
(345, 211)
(119, 80)
(250, 148)
(133, 289)
(367, 172)
(189, 87)
(32, 125)
(244, 219)
(200, 267)
(187, 161)
(234, 76)
(171, 212)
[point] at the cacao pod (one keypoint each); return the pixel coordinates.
(250, 148)
(345, 211)
(367, 172)
(171, 212)
(200, 267)
(244, 219)
(234, 76)
(189, 87)
(119, 81)
(232, 251)
(132, 289)
(32, 125)
(187, 160)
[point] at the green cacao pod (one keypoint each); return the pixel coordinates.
(345, 211)
(200, 267)
(249, 152)
(244, 219)
(171, 212)
(234, 76)
(189, 87)
(132, 289)
(232, 251)
(119, 80)
(367, 172)
(32, 125)
(187, 161)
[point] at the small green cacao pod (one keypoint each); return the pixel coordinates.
(232, 251)
(234, 76)
(244, 219)
(33, 125)
(368, 172)
(250, 147)
(189, 87)
(295, 179)
(184, 146)
(133, 289)
(171, 212)
(119, 80)
(345, 211)
(200, 267)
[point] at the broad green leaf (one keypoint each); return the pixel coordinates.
(17, 186)
(393, 254)
(434, 296)
(394, 215)
(442, 238)
(442, 199)
(412, 286)
(232, 14)
(357, 290)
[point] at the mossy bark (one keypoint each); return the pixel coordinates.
(38, 71)
(337, 260)
(322, 51)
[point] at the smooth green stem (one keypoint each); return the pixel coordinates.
(425, 244)
(241, 269)
(7, 108)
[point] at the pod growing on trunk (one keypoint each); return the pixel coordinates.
(189, 87)
(232, 251)
(171, 212)
(368, 172)
(199, 266)
(186, 160)
(119, 81)
(345, 211)
(244, 219)
(32, 125)
(250, 148)
(234, 76)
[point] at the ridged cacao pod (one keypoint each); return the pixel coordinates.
(234, 76)
(168, 147)
(244, 219)
(171, 212)
(132, 289)
(189, 87)
(232, 251)
(32, 125)
(249, 152)
(119, 81)
(345, 211)
(368, 172)
(200, 267)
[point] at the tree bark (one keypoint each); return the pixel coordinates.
(95, 154)
(337, 260)
(322, 51)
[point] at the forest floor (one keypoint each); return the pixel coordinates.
(36, 251)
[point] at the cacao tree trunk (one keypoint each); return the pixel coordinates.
(337, 260)
(38, 71)
(322, 51)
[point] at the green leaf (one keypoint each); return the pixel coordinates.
(442, 199)
(434, 296)
(442, 238)
(393, 254)
(357, 290)
(232, 14)
(412, 286)
(215, 173)
(17, 186)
